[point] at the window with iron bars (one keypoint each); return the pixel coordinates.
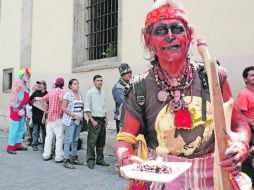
(7, 80)
(102, 29)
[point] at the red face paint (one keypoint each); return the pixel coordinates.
(169, 40)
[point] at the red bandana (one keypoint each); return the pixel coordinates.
(166, 12)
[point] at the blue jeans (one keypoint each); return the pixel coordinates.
(36, 131)
(72, 133)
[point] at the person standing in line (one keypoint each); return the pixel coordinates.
(119, 89)
(54, 126)
(29, 121)
(73, 108)
(95, 108)
(37, 115)
(245, 102)
(19, 99)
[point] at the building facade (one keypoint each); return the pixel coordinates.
(81, 38)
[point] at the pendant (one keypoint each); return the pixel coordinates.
(175, 105)
(183, 119)
(163, 95)
(177, 102)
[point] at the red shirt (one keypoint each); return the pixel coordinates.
(245, 102)
(54, 97)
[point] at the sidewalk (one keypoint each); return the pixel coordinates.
(28, 171)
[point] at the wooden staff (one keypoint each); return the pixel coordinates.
(221, 178)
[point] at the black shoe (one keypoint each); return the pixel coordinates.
(90, 164)
(102, 164)
(11, 152)
(68, 164)
(35, 148)
(22, 148)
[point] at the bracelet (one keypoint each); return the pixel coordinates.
(201, 43)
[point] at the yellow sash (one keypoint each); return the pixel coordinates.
(139, 141)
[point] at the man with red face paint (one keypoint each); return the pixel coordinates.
(173, 111)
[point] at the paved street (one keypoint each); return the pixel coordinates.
(28, 171)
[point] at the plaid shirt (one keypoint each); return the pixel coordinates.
(54, 97)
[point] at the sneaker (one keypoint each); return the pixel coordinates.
(35, 148)
(75, 160)
(68, 164)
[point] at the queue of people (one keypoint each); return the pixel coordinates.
(58, 115)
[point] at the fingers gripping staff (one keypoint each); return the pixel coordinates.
(224, 143)
(223, 181)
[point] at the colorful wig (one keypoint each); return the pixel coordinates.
(24, 71)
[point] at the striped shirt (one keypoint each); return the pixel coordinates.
(69, 96)
(78, 107)
(54, 97)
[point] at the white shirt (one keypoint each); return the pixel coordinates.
(95, 102)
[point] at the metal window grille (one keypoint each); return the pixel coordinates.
(102, 28)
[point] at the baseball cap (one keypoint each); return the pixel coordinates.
(42, 82)
(59, 81)
(124, 68)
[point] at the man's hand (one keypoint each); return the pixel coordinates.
(106, 121)
(94, 123)
(43, 120)
(234, 156)
(21, 112)
(127, 160)
(76, 117)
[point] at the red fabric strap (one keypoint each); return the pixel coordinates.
(166, 12)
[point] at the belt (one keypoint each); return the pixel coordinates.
(100, 118)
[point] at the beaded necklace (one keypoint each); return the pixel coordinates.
(173, 90)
